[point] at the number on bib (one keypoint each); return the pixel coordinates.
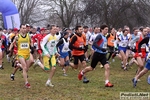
(24, 45)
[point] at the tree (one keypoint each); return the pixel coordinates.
(64, 9)
(30, 11)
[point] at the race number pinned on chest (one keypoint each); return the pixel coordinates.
(105, 45)
(52, 43)
(24, 45)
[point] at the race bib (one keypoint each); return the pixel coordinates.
(143, 46)
(124, 44)
(52, 43)
(105, 45)
(24, 46)
(112, 41)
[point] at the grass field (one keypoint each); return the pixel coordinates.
(69, 88)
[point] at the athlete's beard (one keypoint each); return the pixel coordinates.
(79, 34)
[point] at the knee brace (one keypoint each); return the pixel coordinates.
(67, 63)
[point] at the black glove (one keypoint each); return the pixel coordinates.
(104, 50)
(134, 50)
(128, 47)
(32, 50)
(81, 48)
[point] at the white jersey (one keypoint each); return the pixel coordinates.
(124, 40)
(88, 35)
(93, 37)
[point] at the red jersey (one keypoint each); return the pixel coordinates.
(37, 39)
(3, 40)
(137, 43)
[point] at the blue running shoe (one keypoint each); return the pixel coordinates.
(148, 79)
(134, 82)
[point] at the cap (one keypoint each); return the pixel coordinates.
(42, 29)
(27, 25)
(15, 29)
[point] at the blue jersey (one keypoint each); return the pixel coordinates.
(64, 48)
(101, 41)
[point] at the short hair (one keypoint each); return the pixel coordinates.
(21, 25)
(85, 27)
(51, 26)
(77, 27)
(135, 28)
(103, 26)
(124, 30)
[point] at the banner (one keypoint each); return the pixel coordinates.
(13, 21)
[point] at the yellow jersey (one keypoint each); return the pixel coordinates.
(23, 45)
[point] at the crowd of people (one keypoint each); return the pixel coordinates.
(50, 46)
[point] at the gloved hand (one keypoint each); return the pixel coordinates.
(32, 50)
(104, 50)
(81, 48)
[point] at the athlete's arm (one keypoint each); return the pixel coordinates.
(145, 40)
(59, 43)
(12, 43)
(131, 43)
(43, 43)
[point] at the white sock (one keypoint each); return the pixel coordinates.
(48, 81)
(26, 82)
(82, 72)
(0, 66)
(106, 81)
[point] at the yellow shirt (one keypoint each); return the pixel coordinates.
(24, 45)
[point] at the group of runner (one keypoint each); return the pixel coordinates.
(50, 45)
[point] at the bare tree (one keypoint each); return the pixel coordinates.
(65, 10)
(30, 11)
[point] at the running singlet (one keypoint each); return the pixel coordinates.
(111, 40)
(48, 45)
(102, 43)
(23, 45)
(80, 42)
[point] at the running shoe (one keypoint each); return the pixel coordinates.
(85, 80)
(49, 84)
(109, 85)
(27, 85)
(12, 77)
(134, 82)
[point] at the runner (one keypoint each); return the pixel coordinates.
(48, 46)
(100, 45)
(25, 58)
(77, 45)
(63, 48)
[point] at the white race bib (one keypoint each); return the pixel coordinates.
(105, 45)
(24, 45)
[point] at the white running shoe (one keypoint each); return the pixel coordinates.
(49, 84)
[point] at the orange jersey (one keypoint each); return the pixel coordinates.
(110, 41)
(80, 42)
